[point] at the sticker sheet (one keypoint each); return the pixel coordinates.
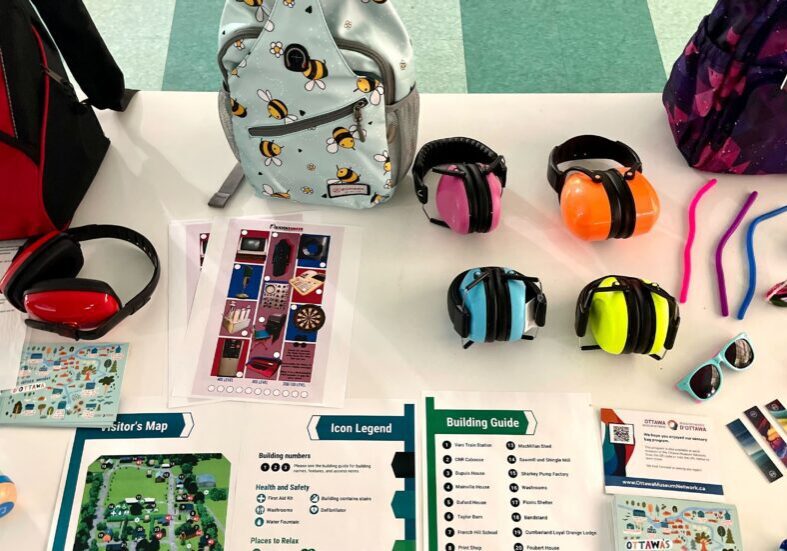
(273, 313)
(643, 523)
(67, 385)
(181, 480)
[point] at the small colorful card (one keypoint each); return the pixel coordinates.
(66, 385)
(766, 430)
(779, 412)
(754, 451)
(657, 523)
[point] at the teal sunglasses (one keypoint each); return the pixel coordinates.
(704, 382)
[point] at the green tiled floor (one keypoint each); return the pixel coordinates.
(191, 63)
(138, 34)
(561, 46)
(461, 45)
(674, 23)
(436, 29)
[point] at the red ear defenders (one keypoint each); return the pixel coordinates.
(471, 183)
(627, 315)
(495, 304)
(615, 203)
(42, 282)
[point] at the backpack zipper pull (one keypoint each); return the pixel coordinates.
(57, 78)
(358, 116)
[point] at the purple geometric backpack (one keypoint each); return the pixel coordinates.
(726, 98)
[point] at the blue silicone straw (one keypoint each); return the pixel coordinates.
(753, 261)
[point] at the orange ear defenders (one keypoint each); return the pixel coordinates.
(614, 203)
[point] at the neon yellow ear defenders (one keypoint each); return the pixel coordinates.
(627, 315)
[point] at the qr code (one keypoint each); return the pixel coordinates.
(621, 434)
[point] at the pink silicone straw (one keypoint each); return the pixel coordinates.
(725, 309)
(684, 289)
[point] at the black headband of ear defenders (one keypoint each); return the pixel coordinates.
(108, 231)
(454, 151)
(589, 147)
(586, 297)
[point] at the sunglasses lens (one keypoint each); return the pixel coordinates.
(705, 382)
(739, 354)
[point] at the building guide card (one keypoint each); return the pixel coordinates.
(509, 471)
(232, 476)
(648, 523)
(273, 313)
(66, 384)
(660, 454)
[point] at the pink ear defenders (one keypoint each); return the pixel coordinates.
(496, 304)
(472, 178)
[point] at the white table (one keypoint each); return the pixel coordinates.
(169, 155)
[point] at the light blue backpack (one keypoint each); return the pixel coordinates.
(319, 102)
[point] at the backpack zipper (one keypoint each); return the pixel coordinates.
(386, 69)
(355, 109)
(242, 34)
(4, 76)
(62, 81)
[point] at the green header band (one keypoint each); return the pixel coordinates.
(474, 421)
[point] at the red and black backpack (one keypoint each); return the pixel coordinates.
(51, 143)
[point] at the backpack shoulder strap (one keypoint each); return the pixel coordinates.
(85, 53)
(228, 188)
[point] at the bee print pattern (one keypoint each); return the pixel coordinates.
(269, 192)
(277, 109)
(297, 59)
(345, 175)
(289, 3)
(384, 158)
(315, 73)
(306, 190)
(237, 109)
(262, 13)
(235, 72)
(240, 44)
(370, 86)
(271, 152)
(344, 138)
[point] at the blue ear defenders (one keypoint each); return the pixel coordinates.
(495, 304)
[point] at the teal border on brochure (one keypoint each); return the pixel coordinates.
(388, 428)
(180, 425)
(126, 427)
